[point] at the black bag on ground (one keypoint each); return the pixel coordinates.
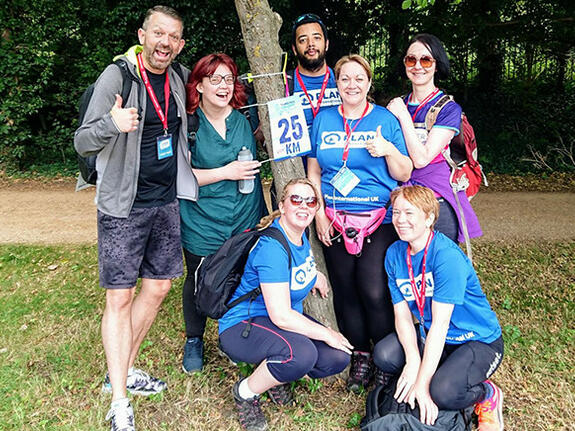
(219, 274)
(384, 413)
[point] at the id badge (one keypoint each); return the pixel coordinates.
(344, 181)
(164, 146)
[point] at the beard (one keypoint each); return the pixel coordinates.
(312, 65)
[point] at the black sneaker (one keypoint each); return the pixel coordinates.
(193, 359)
(282, 395)
(359, 372)
(380, 378)
(249, 411)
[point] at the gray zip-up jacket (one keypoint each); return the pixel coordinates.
(118, 161)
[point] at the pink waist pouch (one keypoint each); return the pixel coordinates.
(354, 227)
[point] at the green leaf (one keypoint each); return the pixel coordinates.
(406, 4)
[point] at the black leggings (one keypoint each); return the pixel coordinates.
(195, 322)
(458, 380)
(447, 222)
(361, 297)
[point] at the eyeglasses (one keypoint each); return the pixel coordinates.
(425, 61)
(297, 200)
(216, 79)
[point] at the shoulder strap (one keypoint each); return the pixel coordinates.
(274, 233)
(433, 112)
(127, 79)
(178, 69)
(193, 126)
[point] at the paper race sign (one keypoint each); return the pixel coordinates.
(290, 137)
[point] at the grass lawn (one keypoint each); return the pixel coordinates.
(52, 362)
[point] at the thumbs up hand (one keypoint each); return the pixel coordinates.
(379, 146)
(125, 119)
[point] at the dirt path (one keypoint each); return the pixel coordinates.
(33, 212)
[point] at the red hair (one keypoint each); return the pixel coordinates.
(206, 66)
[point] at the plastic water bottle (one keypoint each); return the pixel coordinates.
(245, 186)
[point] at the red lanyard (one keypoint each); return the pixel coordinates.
(423, 102)
(349, 131)
(419, 294)
(314, 109)
(163, 116)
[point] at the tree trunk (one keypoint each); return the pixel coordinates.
(260, 28)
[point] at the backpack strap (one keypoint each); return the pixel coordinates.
(276, 234)
(178, 69)
(434, 111)
(127, 79)
(193, 126)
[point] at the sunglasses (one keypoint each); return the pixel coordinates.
(216, 79)
(310, 201)
(425, 61)
(310, 16)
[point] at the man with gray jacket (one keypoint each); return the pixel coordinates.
(142, 167)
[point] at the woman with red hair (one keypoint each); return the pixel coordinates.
(213, 95)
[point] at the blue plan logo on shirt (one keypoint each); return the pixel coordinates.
(330, 97)
(330, 140)
(303, 274)
(404, 286)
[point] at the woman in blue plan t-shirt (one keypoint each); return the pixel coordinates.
(424, 61)
(358, 156)
(272, 330)
(446, 361)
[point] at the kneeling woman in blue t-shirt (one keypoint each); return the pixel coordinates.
(446, 363)
(285, 343)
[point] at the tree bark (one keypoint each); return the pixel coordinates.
(260, 28)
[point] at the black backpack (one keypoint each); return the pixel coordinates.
(87, 165)
(384, 413)
(219, 274)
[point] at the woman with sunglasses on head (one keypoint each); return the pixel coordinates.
(446, 361)
(358, 156)
(272, 330)
(424, 61)
(222, 210)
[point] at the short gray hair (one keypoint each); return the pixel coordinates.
(166, 10)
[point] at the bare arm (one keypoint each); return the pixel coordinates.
(236, 170)
(434, 346)
(399, 166)
(278, 304)
(437, 138)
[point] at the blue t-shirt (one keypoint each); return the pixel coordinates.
(450, 279)
(313, 86)
(268, 263)
(327, 143)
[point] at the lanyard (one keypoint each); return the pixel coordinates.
(314, 109)
(349, 131)
(423, 102)
(163, 116)
(419, 294)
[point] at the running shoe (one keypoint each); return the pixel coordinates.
(359, 372)
(121, 418)
(490, 411)
(282, 395)
(138, 383)
(249, 411)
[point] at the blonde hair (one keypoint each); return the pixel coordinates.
(420, 197)
(349, 58)
(268, 220)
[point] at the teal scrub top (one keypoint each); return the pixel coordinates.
(221, 211)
